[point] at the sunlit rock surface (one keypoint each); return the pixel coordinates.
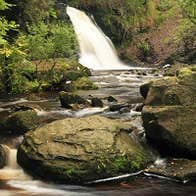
(82, 150)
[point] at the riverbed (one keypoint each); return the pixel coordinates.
(124, 87)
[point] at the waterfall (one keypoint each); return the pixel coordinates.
(11, 162)
(97, 51)
(12, 170)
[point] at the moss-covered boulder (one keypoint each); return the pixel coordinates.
(169, 113)
(3, 155)
(172, 129)
(81, 150)
(179, 90)
(67, 99)
(19, 122)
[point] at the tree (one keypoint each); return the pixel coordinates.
(28, 12)
(9, 52)
(47, 42)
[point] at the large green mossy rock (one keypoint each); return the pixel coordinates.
(178, 90)
(81, 150)
(169, 114)
(19, 122)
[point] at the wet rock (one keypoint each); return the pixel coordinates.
(96, 102)
(19, 122)
(81, 150)
(172, 129)
(124, 110)
(67, 99)
(179, 169)
(25, 107)
(111, 99)
(138, 107)
(144, 89)
(119, 106)
(3, 156)
(168, 114)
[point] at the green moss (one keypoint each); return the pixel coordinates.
(187, 76)
(184, 72)
(120, 163)
(193, 68)
(84, 83)
(138, 161)
(20, 122)
(74, 75)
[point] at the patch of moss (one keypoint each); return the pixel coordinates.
(84, 83)
(120, 164)
(19, 122)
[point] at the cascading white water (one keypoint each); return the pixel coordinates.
(12, 170)
(96, 49)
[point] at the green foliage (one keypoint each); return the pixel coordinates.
(184, 38)
(189, 9)
(144, 47)
(25, 12)
(164, 5)
(46, 43)
(146, 51)
(5, 25)
(10, 53)
(3, 5)
(50, 41)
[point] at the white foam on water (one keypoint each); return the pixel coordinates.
(89, 111)
(160, 163)
(67, 113)
(36, 187)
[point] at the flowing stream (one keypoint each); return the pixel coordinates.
(122, 85)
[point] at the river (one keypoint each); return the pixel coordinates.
(123, 86)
